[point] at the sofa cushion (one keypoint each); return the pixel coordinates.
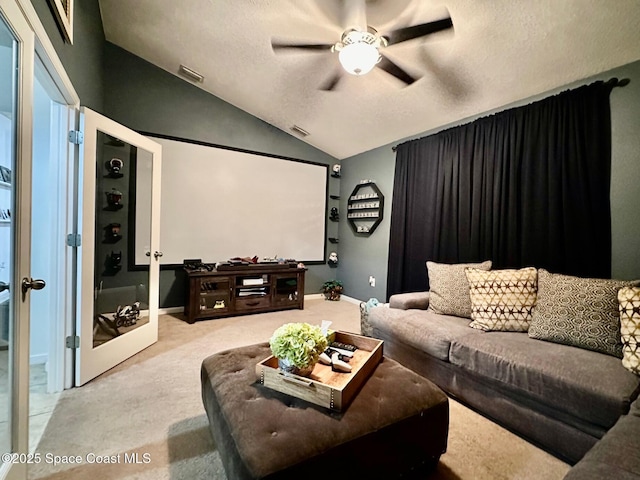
(564, 379)
(614, 456)
(422, 329)
(582, 312)
(449, 288)
(502, 300)
(629, 303)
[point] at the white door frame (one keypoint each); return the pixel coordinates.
(62, 375)
(61, 255)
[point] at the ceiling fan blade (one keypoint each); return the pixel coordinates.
(415, 31)
(393, 69)
(321, 47)
(331, 82)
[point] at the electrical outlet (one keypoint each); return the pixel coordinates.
(372, 280)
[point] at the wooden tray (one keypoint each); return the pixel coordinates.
(333, 390)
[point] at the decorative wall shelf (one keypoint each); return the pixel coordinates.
(365, 208)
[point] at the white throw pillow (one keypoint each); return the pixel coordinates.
(502, 300)
(629, 305)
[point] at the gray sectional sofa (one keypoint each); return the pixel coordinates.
(617, 455)
(562, 398)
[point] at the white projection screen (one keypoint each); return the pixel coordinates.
(218, 203)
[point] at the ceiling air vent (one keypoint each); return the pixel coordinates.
(300, 131)
(190, 74)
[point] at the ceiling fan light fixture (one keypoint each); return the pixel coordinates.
(358, 51)
(359, 58)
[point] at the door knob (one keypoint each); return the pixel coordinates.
(28, 283)
(4, 286)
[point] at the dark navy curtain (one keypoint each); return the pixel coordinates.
(528, 186)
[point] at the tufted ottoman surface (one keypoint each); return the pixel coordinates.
(396, 426)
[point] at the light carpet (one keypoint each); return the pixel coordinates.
(150, 405)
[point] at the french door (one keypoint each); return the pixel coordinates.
(16, 93)
(102, 293)
(118, 256)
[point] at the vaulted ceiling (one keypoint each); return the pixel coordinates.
(499, 52)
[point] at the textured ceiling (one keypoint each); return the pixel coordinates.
(499, 52)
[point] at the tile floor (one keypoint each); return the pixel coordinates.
(41, 403)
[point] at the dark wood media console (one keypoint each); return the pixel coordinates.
(243, 290)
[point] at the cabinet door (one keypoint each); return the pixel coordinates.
(118, 297)
(286, 290)
(212, 297)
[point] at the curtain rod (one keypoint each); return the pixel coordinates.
(612, 82)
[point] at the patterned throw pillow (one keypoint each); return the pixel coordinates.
(582, 312)
(629, 303)
(449, 288)
(502, 300)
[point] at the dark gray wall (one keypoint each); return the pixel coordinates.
(361, 256)
(625, 174)
(364, 256)
(145, 98)
(83, 60)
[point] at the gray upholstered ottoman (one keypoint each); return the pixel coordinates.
(396, 426)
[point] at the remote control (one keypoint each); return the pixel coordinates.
(342, 354)
(345, 353)
(343, 346)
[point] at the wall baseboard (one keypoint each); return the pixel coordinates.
(170, 310)
(314, 296)
(345, 298)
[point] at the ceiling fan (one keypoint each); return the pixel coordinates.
(360, 49)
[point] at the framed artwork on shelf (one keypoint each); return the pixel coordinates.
(63, 10)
